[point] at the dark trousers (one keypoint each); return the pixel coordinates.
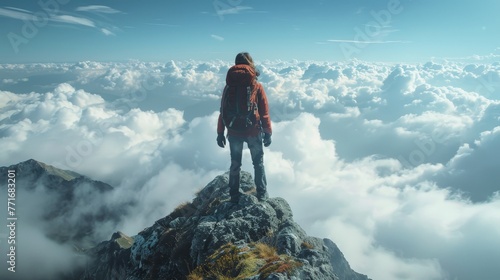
(257, 153)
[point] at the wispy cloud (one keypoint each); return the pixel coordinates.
(73, 20)
(217, 37)
(98, 9)
(107, 32)
(18, 9)
(25, 15)
(233, 10)
(367, 41)
(162, 24)
(15, 13)
(492, 57)
(21, 14)
(381, 30)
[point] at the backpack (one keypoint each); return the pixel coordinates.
(239, 109)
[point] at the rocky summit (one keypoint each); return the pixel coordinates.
(212, 238)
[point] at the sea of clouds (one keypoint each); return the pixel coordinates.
(396, 163)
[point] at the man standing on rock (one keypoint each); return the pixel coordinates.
(244, 112)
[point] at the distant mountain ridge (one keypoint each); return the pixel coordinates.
(64, 174)
(32, 172)
(60, 194)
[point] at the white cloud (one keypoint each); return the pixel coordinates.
(14, 81)
(366, 42)
(97, 9)
(473, 161)
(231, 10)
(63, 17)
(217, 37)
(73, 20)
(17, 14)
(107, 32)
(51, 260)
(390, 222)
(382, 159)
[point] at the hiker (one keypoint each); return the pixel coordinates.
(244, 112)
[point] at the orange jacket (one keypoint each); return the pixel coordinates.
(263, 107)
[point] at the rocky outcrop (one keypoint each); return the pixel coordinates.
(250, 240)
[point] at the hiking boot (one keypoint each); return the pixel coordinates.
(262, 196)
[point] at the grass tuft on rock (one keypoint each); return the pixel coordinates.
(231, 262)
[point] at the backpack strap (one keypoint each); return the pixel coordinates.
(249, 95)
(223, 103)
(237, 110)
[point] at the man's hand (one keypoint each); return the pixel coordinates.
(221, 140)
(267, 139)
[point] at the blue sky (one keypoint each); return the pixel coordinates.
(386, 30)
